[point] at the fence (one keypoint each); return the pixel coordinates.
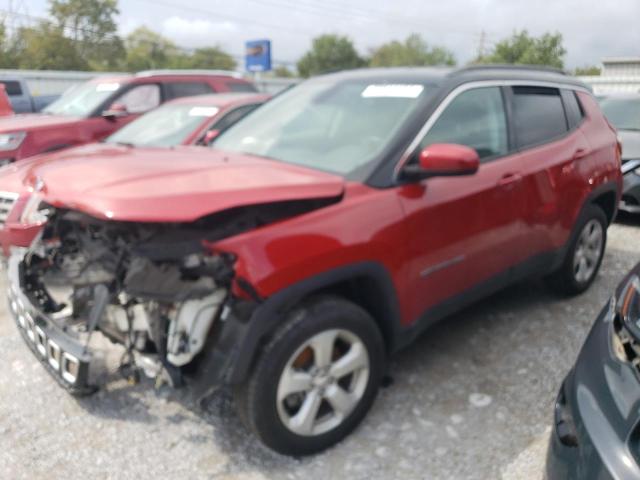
(51, 82)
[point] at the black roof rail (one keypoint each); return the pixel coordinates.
(528, 68)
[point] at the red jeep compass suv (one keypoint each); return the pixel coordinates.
(93, 110)
(324, 231)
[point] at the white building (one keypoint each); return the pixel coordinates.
(619, 75)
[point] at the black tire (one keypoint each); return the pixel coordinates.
(256, 399)
(564, 280)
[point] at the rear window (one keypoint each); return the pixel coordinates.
(575, 114)
(241, 87)
(539, 115)
(12, 87)
(187, 89)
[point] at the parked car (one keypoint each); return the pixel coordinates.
(323, 232)
(95, 109)
(5, 104)
(596, 420)
(20, 96)
(193, 120)
(623, 111)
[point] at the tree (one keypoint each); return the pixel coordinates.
(147, 49)
(208, 57)
(47, 48)
(282, 71)
(329, 53)
(587, 71)
(414, 51)
(523, 49)
(92, 26)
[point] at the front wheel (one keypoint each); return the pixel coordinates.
(585, 253)
(316, 379)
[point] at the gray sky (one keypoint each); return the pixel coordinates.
(592, 29)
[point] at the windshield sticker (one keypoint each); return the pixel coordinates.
(392, 91)
(107, 87)
(203, 111)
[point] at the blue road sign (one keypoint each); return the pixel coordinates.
(258, 55)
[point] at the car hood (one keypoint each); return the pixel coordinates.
(630, 144)
(168, 185)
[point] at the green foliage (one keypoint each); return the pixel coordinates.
(523, 49)
(587, 71)
(329, 53)
(147, 50)
(92, 26)
(46, 48)
(282, 72)
(210, 57)
(414, 51)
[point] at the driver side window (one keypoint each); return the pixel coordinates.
(141, 99)
(475, 118)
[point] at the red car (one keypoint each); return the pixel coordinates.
(324, 232)
(5, 104)
(193, 120)
(93, 110)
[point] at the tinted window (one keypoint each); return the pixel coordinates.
(232, 117)
(572, 107)
(141, 98)
(538, 115)
(241, 87)
(187, 89)
(475, 118)
(12, 88)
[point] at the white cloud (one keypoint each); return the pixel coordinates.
(197, 32)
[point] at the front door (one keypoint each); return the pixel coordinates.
(464, 231)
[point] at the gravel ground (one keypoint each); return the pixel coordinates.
(472, 399)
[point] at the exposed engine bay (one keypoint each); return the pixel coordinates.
(154, 288)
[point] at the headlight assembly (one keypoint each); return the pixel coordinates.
(11, 141)
(33, 214)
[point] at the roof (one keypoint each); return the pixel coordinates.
(217, 73)
(220, 100)
(466, 74)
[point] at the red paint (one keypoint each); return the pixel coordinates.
(5, 104)
(478, 225)
(46, 132)
(16, 177)
(449, 159)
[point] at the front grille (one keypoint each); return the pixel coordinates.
(7, 200)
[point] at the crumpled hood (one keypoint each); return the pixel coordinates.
(630, 144)
(168, 185)
(33, 121)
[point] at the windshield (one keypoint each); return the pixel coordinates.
(167, 126)
(324, 124)
(83, 99)
(624, 113)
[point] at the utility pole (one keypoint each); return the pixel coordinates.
(481, 44)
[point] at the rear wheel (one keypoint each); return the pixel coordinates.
(585, 253)
(316, 379)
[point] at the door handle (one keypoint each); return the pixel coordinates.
(509, 179)
(580, 154)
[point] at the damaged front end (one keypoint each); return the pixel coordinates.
(155, 289)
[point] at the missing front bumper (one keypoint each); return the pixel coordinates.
(66, 359)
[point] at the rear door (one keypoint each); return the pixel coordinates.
(552, 147)
(465, 231)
